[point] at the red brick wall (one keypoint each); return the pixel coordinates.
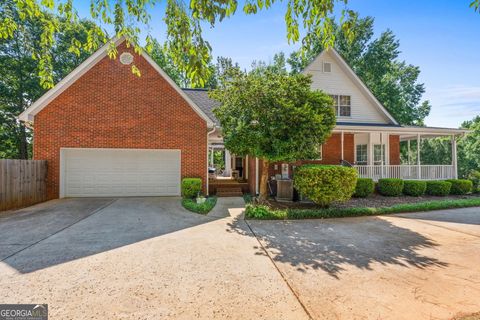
(394, 150)
(331, 153)
(109, 107)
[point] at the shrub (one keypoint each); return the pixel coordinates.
(414, 188)
(364, 188)
(460, 186)
(474, 176)
(390, 187)
(191, 187)
(203, 208)
(438, 188)
(325, 184)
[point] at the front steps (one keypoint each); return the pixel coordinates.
(229, 191)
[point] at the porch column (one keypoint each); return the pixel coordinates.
(382, 154)
(370, 150)
(454, 157)
(228, 163)
(211, 156)
(419, 173)
(256, 176)
(343, 158)
(408, 153)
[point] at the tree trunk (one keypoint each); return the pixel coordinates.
(264, 181)
(22, 142)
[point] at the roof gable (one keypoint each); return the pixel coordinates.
(352, 76)
(77, 73)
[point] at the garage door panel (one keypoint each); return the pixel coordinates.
(120, 172)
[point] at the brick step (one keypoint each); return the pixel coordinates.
(229, 192)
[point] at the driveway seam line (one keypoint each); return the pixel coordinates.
(279, 272)
(58, 231)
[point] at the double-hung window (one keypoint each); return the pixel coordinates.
(361, 154)
(379, 154)
(343, 105)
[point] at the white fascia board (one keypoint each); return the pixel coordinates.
(362, 85)
(402, 130)
(50, 95)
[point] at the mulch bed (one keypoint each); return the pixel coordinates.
(374, 201)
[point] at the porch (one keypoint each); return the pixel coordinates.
(396, 152)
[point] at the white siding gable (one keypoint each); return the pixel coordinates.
(364, 107)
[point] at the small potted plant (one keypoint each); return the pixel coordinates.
(200, 199)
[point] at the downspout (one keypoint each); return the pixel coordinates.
(208, 134)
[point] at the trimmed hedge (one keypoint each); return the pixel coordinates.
(191, 187)
(263, 212)
(324, 184)
(390, 187)
(364, 187)
(438, 188)
(414, 188)
(460, 186)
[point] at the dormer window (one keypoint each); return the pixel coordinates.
(343, 105)
(327, 67)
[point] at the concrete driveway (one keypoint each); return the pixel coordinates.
(406, 266)
(148, 258)
(139, 258)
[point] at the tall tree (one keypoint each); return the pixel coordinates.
(274, 117)
(20, 83)
(469, 148)
(376, 62)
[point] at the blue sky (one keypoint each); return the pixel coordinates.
(441, 37)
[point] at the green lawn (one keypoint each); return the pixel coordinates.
(204, 208)
(264, 212)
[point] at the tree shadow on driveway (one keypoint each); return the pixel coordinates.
(64, 230)
(331, 245)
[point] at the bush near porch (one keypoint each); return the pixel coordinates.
(460, 186)
(324, 184)
(191, 187)
(364, 188)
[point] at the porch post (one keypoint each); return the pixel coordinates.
(211, 156)
(408, 154)
(228, 163)
(419, 173)
(382, 155)
(342, 146)
(454, 157)
(369, 150)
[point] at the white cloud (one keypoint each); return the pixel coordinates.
(453, 104)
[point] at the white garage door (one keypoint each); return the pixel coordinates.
(119, 172)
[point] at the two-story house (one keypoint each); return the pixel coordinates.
(107, 132)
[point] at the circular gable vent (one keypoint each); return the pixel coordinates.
(126, 58)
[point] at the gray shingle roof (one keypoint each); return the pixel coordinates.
(203, 101)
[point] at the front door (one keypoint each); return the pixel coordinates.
(239, 166)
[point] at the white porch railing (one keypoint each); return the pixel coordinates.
(426, 172)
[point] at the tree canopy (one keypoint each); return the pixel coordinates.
(184, 22)
(376, 61)
(20, 84)
(469, 148)
(273, 116)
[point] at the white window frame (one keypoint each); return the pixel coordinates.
(323, 66)
(366, 154)
(379, 162)
(336, 99)
(320, 152)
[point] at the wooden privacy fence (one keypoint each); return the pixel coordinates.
(22, 183)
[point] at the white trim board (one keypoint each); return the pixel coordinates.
(49, 96)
